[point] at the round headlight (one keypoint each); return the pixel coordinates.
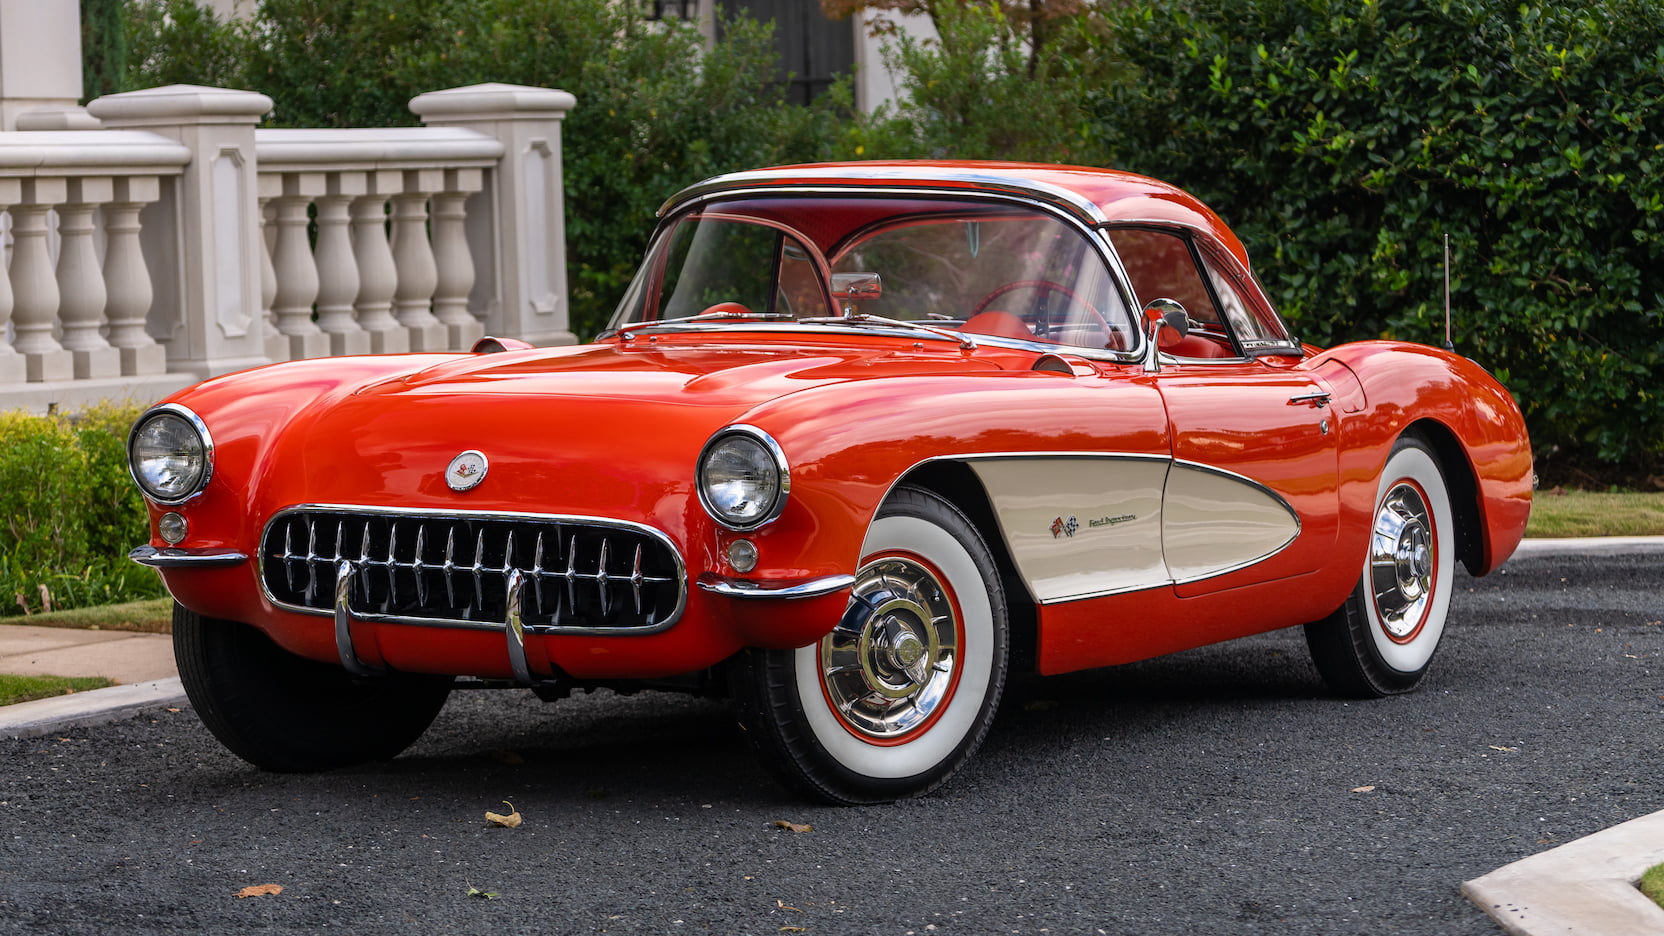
(743, 479)
(170, 454)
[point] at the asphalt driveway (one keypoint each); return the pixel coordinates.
(1217, 791)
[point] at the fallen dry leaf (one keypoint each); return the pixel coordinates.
(793, 929)
(510, 821)
(260, 890)
(1363, 789)
(1496, 747)
(794, 826)
(785, 906)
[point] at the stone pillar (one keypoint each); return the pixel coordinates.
(40, 64)
(517, 224)
(207, 238)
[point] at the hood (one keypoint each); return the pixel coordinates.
(599, 430)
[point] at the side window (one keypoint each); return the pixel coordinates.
(1256, 326)
(1160, 266)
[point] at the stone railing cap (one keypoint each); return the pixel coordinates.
(90, 152)
(182, 104)
(493, 99)
(374, 148)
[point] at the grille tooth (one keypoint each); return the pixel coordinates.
(400, 548)
(450, 566)
(312, 559)
(572, 575)
(416, 566)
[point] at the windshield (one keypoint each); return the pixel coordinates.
(983, 269)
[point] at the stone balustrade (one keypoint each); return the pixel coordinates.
(179, 241)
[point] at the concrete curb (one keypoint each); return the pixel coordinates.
(96, 707)
(1586, 886)
(1591, 546)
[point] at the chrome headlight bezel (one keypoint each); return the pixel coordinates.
(203, 469)
(766, 456)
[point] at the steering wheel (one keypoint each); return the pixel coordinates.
(1043, 286)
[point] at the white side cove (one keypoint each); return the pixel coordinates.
(1214, 522)
(1082, 526)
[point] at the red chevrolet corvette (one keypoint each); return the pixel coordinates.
(860, 442)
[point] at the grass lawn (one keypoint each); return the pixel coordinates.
(1587, 513)
(148, 617)
(1652, 884)
(28, 688)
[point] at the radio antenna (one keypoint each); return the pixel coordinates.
(1448, 344)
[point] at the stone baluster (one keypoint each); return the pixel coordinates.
(378, 276)
(127, 279)
(271, 186)
(338, 280)
(12, 369)
(35, 285)
(453, 259)
(413, 256)
(297, 273)
(81, 293)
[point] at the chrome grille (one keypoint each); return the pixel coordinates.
(579, 574)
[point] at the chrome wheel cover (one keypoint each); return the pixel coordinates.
(1402, 561)
(890, 664)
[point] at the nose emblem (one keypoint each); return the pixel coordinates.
(466, 471)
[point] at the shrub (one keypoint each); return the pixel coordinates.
(1344, 141)
(68, 512)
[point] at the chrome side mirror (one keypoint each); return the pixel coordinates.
(1166, 314)
(850, 288)
(1165, 324)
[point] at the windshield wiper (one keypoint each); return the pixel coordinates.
(623, 331)
(862, 318)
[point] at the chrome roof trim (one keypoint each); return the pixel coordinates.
(888, 180)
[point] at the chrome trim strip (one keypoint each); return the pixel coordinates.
(780, 464)
(173, 557)
(440, 513)
(343, 624)
(207, 449)
(814, 588)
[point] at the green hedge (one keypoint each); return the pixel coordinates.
(1343, 141)
(69, 512)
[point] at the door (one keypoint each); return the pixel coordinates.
(1252, 495)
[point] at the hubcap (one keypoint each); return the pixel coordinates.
(1402, 562)
(889, 665)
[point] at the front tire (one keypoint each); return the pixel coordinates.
(1381, 641)
(901, 693)
(286, 713)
